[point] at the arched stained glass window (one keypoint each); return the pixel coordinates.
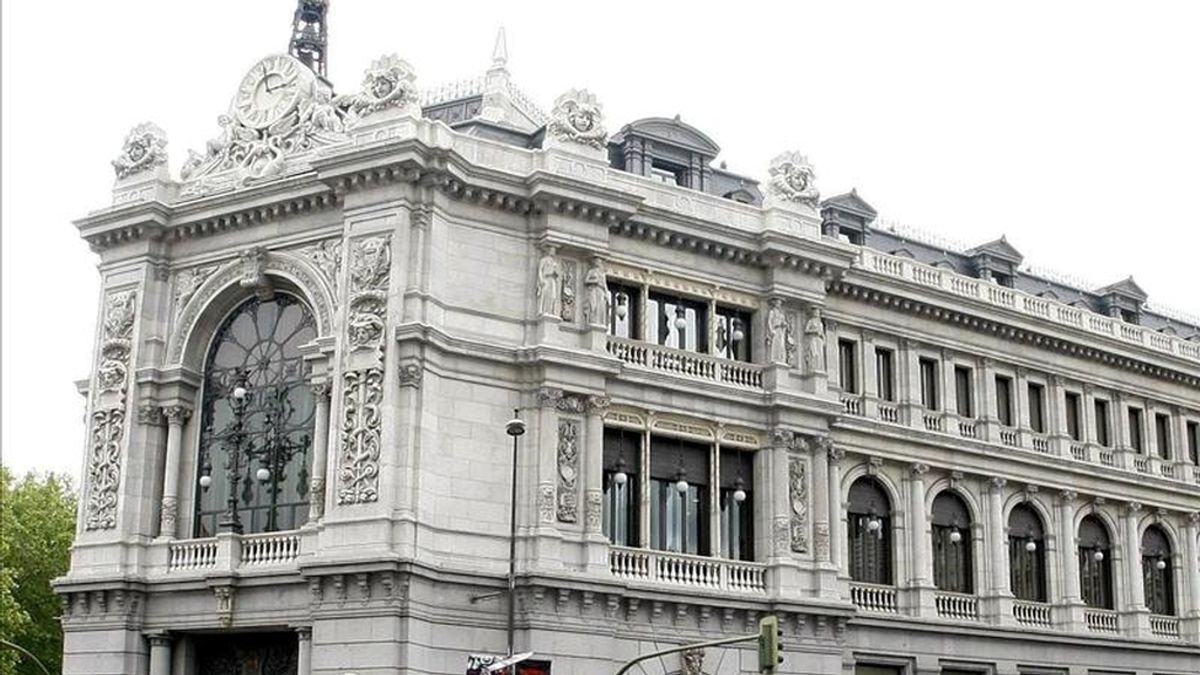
(254, 451)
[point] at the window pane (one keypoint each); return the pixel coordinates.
(1004, 403)
(1073, 416)
(732, 339)
(1135, 429)
(1162, 432)
(1037, 411)
(848, 366)
(625, 317)
(929, 384)
(962, 387)
(885, 374)
(1102, 435)
(677, 322)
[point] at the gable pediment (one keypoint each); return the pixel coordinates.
(1127, 288)
(850, 202)
(999, 249)
(670, 132)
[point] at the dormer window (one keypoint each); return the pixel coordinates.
(1002, 279)
(665, 172)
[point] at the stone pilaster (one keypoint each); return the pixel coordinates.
(177, 416)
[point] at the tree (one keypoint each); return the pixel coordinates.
(37, 526)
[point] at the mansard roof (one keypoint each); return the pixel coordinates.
(852, 203)
(670, 131)
(999, 248)
(1127, 287)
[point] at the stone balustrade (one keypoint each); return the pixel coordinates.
(688, 571)
(271, 549)
(957, 606)
(683, 363)
(192, 554)
(1028, 613)
(1100, 620)
(1166, 627)
(874, 598)
(275, 548)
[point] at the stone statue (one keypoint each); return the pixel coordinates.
(814, 343)
(596, 300)
(792, 179)
(781, 343)
(576, 118)
(549, 288)
(145, 148)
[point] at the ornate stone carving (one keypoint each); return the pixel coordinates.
(782, 535)
(170, 512)
(569, 277)
(814, 343)
(578, 118)
(545, 503)
(119, 311)
(594, 511)
(596, 296)
(150, 415)
(326, 256)
(410, 375)
(253, 263)
(388, 83)
(224, 605)
(568, 471)
(549, 283)
(798, 503)
(781, 339)
(358, 467)
(176, 414)
(145, 148)
(104, 468)
(370, 265)
(792, 179)
(691, 662)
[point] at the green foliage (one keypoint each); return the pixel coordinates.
(37, 526)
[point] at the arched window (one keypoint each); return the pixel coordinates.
(1026, 554)
(253, 452)
(1095, 564)
(869, 532)
(1156, 571)
(952, 544)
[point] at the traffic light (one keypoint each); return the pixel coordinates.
(769, 647)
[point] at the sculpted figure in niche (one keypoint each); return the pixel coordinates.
(781, 343)
(595, 307)
(814, 341)
(549, 289)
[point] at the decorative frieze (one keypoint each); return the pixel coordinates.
(370, 266)
(798, 504)
(358, 465)
(326, 256)
(568, 471)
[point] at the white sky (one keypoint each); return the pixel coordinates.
(1071, 127)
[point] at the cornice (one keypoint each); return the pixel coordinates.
(1003, 326)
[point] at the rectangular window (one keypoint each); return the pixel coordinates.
(962, 391)
(1073, 426)
(1193, 441)
(1135, 429)
(1037, 407)
(733, 334)
(885, 374)
(848, 366)
(1004, 400)
(679, 521)
(1162, 434)
(737, 505)
(625, 318)
(622, 456)
(1102, 423)
(677, 322)
(929, 383)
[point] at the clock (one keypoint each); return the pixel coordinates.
(271, 90)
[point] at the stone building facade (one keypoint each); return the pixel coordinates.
(741, 400)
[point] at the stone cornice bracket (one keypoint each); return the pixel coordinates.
(253, 263)
(836, 455)
(1132, 508)
(1028, 492)
(598, 402)
(918, 469)
(410, 374)
(1067, 496)
(874, 464)
(955, 480)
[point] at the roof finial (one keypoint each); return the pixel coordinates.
(500, 51)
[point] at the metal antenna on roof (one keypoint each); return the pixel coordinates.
(310, 34)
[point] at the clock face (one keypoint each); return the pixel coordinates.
(271, 90)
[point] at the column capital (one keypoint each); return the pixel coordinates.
(303, 633)
(159, 639)
(597, 403)
(997, 482)
(1067, 496)
(1056, 380)
(919, 468)
(320, 388)
(176, 414)
(1193, 519)
(868, 336)
(1132, 508)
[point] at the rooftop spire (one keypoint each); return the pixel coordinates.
(310, 36)
(500, 51)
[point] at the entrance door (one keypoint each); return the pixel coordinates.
(246, 654)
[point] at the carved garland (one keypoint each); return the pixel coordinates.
(568, 471)
(108, 418)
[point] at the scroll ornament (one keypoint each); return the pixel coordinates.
(145, 148)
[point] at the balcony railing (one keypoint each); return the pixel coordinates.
(686, 364)
(958, 606)
(1142, 464)
(852, 405)
(933, 421)
(874, 598)
(192, 554)
(888, 412)
(1100, 620)
(1079, 451)
(967, 429)
(1009, 437)
(1040, 443)
(691, 571)
(1029, 613)
(1164, 626)
(1043, 309)
(276, 548)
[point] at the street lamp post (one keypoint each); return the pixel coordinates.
(515, 428)
(230, 521)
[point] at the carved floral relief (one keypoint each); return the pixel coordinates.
(145, 148)
(798, 504)
(361, 436)
(108, 419)
(568, 471)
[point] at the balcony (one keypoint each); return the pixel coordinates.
(682, 363)
(956, 606)
(1035, 614)
(874, 598)
(251, 551)
(1100, 620)
(1166, 627)
(687, 571)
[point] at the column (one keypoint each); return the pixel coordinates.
(176, 416)
(320, 447)
(1179, 442)
(837, 530)
(1135, 618)
(1022, 407)
(821, 500)
(1000, 604)
(921, 602)
(1056, 412)
(1087, 417)
(592, 466)
(909, 382)
(160, 654)
(989, 426)
(949, 394)
(870, 377)
(1150, 432)
(833, 368)
(1190, 628)
(1069, 610)
(304, 653)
